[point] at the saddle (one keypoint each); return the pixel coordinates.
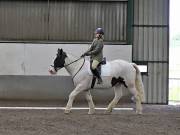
(103, 62)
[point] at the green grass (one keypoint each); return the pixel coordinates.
(174, 94)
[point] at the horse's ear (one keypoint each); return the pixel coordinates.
(60, 51)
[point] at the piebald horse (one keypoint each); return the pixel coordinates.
(79, 69)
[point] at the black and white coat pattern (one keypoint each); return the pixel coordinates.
(122, 72)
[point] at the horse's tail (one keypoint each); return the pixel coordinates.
(139, 83)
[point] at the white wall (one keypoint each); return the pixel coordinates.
(24, 71)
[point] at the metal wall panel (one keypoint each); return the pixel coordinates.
(62, 20)
(104, 0)
(156, 83)
(150, 44)
(151, 12)
(76, 21)
(23, 20)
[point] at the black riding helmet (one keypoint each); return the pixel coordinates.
(99, 31)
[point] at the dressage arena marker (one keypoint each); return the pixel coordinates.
(59, 108)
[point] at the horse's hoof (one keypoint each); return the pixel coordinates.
(139, 112)
(108, 112)
(91, 111)
(67, 111)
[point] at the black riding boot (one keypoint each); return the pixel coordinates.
(96, 73)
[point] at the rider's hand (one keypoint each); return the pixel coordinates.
(88, 53)
(83, 55)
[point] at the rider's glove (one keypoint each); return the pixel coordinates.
(85, 54)
(88, 53)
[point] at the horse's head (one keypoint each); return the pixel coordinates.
(58, 62)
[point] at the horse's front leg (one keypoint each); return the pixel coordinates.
(79, 88)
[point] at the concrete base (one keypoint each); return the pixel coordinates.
(45, 88)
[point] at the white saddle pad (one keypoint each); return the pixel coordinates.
(105, 69)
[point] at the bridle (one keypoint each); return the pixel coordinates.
(56, 69)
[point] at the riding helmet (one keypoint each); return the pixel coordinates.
(99, 31)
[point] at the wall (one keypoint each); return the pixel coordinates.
(150, 35)
(151, 46)
(24, 70)
(23, 73)
(66, 21)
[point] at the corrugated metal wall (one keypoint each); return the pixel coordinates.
(75, 21)
(150, 44)
(20, 20)
(62, 20)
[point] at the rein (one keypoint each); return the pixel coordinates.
(79, 69)
(72, 62)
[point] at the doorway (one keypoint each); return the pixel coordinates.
(174, 53)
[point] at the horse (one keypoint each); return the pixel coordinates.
(79, 69)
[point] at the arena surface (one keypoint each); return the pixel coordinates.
(156, 120)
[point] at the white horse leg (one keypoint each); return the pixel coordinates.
(90, 102)
(133, 90)
(118, 94)
(74, 93)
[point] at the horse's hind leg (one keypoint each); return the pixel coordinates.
(90, 102)
(133, 90)
(117, 96)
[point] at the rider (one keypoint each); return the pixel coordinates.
(96, 53)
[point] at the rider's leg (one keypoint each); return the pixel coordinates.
(95, 71)
(94, 64)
